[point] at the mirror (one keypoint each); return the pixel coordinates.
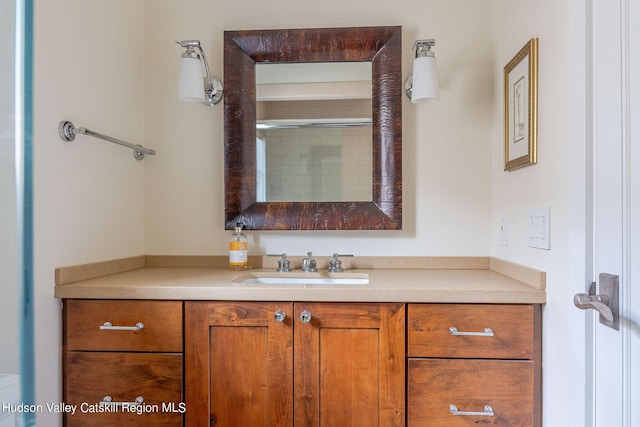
(313, 140)
(381, 209)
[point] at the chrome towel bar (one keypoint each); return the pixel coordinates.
(68, 133)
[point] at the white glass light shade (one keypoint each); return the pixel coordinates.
(425, 80)
(190, 81)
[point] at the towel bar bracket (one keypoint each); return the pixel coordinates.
(65, 130)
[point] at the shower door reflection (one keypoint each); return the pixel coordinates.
(16, 301)
(9, 249)
(317, 164)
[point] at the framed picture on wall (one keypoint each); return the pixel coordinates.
(521, 108)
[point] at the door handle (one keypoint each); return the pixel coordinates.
(599, 303)
(605, 302)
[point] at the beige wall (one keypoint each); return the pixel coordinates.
(111, 66)
(446, 146)
(89, 194)
(545, 184)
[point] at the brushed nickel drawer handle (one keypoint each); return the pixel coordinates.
(108, 401)
(488, 332)
(107, 326)
(488, 412)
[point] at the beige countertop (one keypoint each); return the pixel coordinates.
(495, 281)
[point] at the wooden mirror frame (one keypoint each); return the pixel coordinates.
(382, 46)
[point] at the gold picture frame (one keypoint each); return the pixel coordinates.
(521, 108)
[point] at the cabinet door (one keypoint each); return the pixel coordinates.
(349, 364)
(239, 364)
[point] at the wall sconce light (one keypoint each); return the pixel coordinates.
(192, 86)
(422, 86)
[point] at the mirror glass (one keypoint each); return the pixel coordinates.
(313, 132)
(333, 190)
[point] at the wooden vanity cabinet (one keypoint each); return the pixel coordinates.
(238, 364)
(303, 364)
(127, 371)
(285, 364)
(473, 364)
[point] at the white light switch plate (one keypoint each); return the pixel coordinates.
(539, 227)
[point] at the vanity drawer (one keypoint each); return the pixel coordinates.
(506, 386)
(512, 332)
(161, 323)
(155, 377)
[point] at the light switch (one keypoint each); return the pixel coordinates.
(539, 228)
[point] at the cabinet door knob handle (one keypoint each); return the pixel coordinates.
(305, 316)
(488, 332)
(279, 316)
(107, 326)
(488, 412)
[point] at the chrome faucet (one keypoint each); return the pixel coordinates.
(283, 263)
(309, 264)
(335, 265)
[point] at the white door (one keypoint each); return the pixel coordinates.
(613, 356)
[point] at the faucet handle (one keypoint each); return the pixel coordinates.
(283, 263)
(335, 265)
(309, 263)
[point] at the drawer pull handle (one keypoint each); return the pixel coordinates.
(107, 326)
(108, 401)
(488, 332)
(488, 412)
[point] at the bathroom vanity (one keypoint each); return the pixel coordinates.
(303, 363)
(445, 342)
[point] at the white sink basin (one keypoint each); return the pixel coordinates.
(304, 279)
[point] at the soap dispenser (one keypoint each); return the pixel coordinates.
(238, 249)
